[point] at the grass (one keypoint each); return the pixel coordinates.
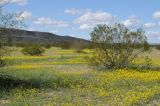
(63, 78)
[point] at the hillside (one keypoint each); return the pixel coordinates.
(16, 36)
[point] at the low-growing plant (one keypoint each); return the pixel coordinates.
(146, 47)
(3, 50)
(158, 47)
(79, 51)
(65, 45)
(47, 46)
(89, 46)
(33, 50)
(2, 62)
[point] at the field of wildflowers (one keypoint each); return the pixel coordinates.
(63, 78)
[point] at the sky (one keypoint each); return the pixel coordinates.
(78, 17)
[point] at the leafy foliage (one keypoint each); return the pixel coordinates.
(2, 62)
(116, 46)
(7, 20)
(80, 51)
(33, 50)
(88, 46)
(157, 47)
(65, 45)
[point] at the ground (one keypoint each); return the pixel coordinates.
(64, 78)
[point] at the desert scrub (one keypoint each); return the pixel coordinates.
(157, 47)
(2, 62)
(23, 97)
(33, 50)
(65, 45)
(115, 46)
(80, 51)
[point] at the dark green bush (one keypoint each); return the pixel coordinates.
(158, 47)
(146, 46)
(47, 46)
(65, 45)
(3, 51)
(33, 50)
(79, 51)
(2, 62)
(88, 46)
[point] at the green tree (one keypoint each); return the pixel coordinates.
(116, 46)
(7, 22)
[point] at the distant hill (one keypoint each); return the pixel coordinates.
(23, 37)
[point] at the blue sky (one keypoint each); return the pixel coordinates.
(78, 17)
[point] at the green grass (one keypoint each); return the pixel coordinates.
(63, 78)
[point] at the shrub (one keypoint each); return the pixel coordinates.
(158, 47)
(79, 51)
(33, 50)
(2, 62)
(65, 45)
(47, 46)
(3, 50)
(146, 46)
(116, 45)
(89, 46)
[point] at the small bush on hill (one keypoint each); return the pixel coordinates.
(33, 50)
(158, 47)
(47, 46)
(89, 46)
(2, 62)
(146, 46)
(65, 45)
(79, 51)
(3, 50)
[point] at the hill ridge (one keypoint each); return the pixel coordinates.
(25, 37)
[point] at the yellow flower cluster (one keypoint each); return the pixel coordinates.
(28, 57)
(27, 66)
(124, 87)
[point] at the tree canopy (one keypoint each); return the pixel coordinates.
(116, 46)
